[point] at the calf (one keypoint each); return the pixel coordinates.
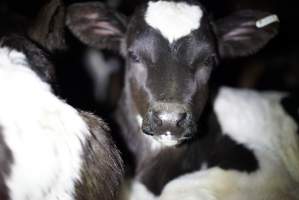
(170, 49)
(48, 149)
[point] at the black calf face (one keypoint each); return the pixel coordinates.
(170, 48)
(171, 77)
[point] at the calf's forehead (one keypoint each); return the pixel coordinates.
(179, 29)
(173, 20)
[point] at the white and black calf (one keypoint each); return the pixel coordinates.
(48, 149)
(164, 114)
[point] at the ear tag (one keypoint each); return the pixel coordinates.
(266, 21)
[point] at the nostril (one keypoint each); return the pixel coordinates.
(181, 119)
(156, 119)
(188, 136)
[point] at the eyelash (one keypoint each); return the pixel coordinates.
(211, 60)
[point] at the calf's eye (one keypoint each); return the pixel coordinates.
(209, 60)
(134, 57)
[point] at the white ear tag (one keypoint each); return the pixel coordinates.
(266, 21)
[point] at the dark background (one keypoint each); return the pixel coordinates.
(273, 68)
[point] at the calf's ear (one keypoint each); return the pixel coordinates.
(96, 25)
(245, 32)
(48, 27)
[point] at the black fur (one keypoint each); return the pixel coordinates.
(38, 58)
(251, 37)
(48, 28)
(228, 154)
(102, 170)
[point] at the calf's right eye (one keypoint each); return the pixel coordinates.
(134, 57)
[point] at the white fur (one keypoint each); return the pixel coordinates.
(173, 19)
(165, 116)
(218, 184)
(139, 192)
(157, 142)
(259, 122)
(44, 134)
(167, 139)
(155, 145)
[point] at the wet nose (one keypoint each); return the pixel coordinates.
(171, 119)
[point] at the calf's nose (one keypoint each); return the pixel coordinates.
(171, 119)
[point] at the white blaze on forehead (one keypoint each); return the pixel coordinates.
(174, 20)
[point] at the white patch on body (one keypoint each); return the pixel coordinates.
(259, 121)
(267, 21)
(174, 20)
(44, 134)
